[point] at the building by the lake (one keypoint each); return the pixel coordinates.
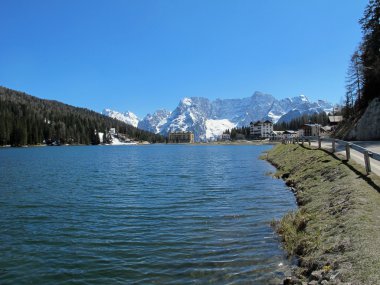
(261, 129)
(311, 130)
(181, 137)
(225, 137)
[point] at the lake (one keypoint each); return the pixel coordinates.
(156, 214)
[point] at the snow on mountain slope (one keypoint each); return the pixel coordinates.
(190, 115)
(301, 105)
(154, 122)
(292, 114)
(274, 117)
(127, 117)
(215, 128)
(208, 119)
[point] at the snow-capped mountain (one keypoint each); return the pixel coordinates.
(208, 119)
(298, 106)
(127, 117)
(154, 122)
(190, 115)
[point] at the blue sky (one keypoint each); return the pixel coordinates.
(144, 55)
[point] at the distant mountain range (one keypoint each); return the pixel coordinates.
(208, 119)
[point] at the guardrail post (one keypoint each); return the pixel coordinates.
(367, 162)
(303, 140)
(309, 142)
(348, 151)
(319, 142)
(333, 145)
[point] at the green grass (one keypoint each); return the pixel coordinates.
(338, 221)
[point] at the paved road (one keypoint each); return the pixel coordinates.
(373, 146)
(370, 145)
(358, 157)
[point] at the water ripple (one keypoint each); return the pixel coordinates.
(139, 215)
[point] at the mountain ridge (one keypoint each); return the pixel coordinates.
(206, 118)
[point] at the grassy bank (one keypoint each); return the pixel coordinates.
(335, 232)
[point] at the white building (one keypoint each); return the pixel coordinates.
(277, 135)
(289, 134)
(261, 129)
(225, 137)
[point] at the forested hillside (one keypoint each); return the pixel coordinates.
(361, 111)
(28, 120)
(297, 123)
(363, 75)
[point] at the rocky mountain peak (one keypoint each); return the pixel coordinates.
(207, 119)
(126, 117)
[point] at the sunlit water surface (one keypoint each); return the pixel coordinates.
(154, 214)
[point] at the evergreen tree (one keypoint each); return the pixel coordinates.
(94, 136)
(371, 52)
(297, 123)
(354, 84)
(25, 119)
(19, 135)
(238, 133)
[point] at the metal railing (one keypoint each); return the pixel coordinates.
(367, 154)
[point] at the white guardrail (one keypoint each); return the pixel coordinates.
(367, 154)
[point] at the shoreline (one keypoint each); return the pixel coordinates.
(334, 233)
(232, 143)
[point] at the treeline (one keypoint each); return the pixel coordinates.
(28, 120)
(297, 123)
(363, 75)
(238, 133)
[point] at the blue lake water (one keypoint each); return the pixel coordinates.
(158, 214)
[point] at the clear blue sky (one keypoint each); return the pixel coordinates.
(143, 55)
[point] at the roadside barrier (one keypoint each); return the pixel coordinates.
(367, 154)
